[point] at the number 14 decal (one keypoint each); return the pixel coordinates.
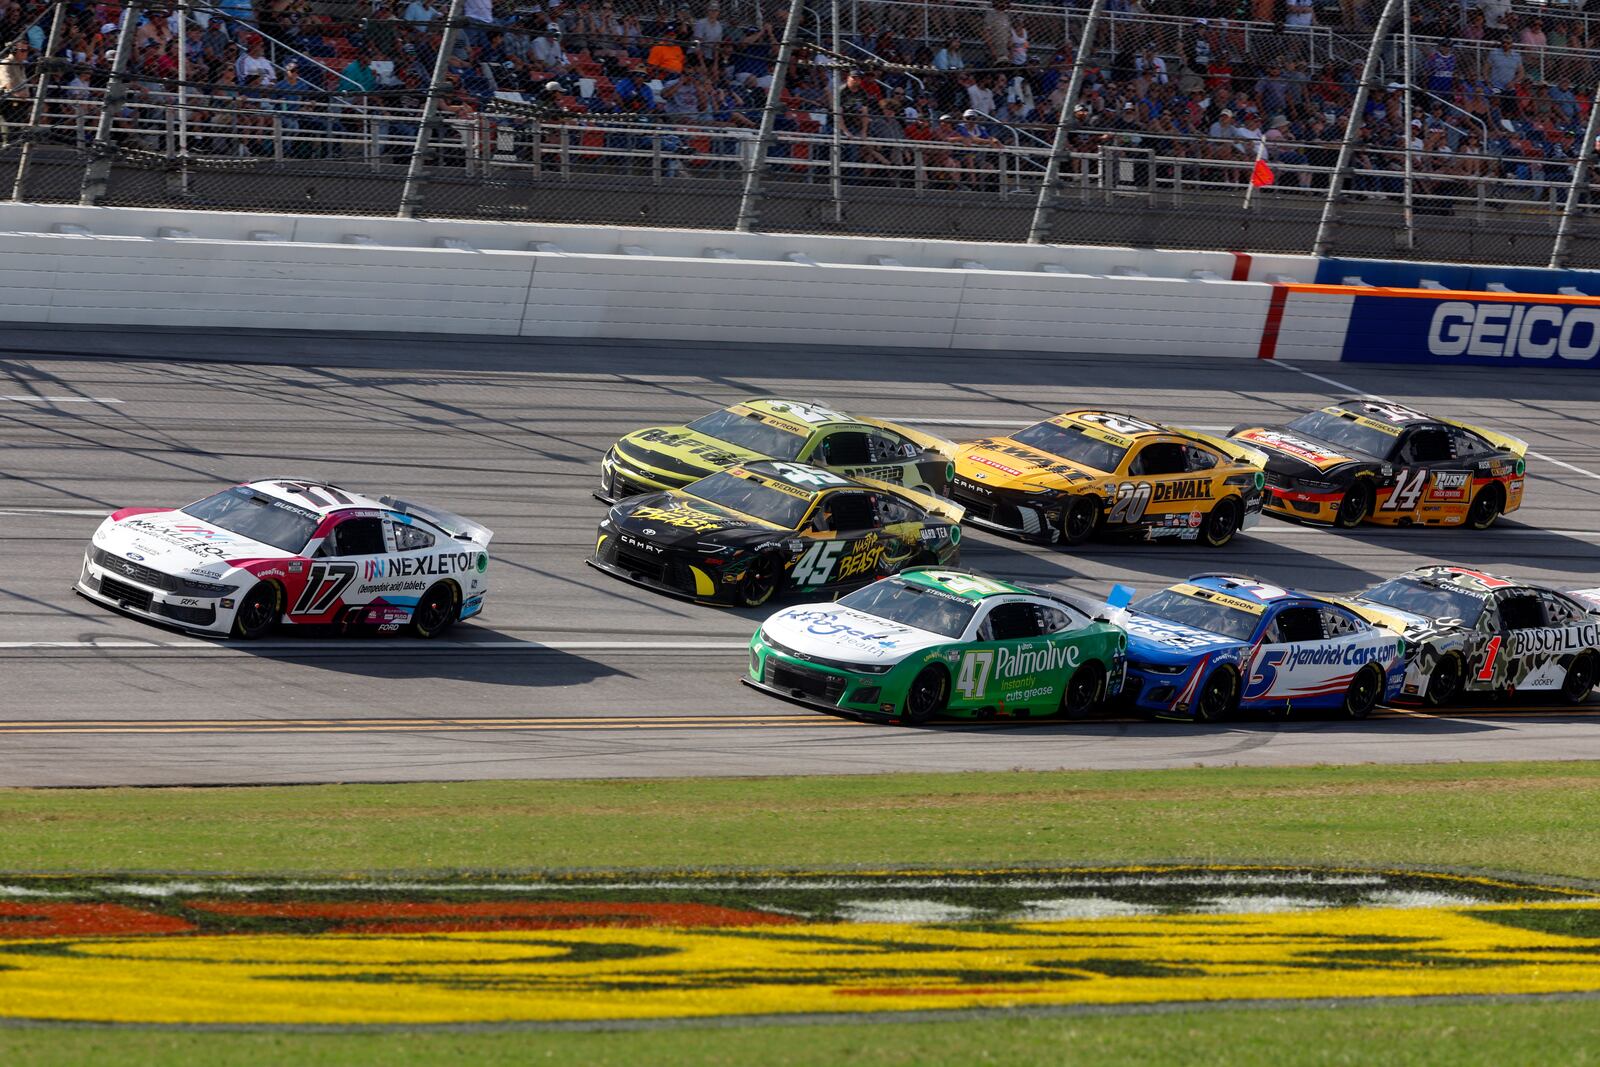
(1408, 486)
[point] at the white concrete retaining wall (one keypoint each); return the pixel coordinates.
(1314, 324)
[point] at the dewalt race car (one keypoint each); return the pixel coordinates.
(934, 642)
(1373, 461)
(1086, 472)
(1467, 631)
(757, 530)
(670, 457)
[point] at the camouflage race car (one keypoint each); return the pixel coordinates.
(1372, 461)
(1467, 631)
(754, 531)
(934, 642)
(1085, 472)
(670, 457)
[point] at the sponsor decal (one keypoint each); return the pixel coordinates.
(404, 566)
(1550, 640)
(832, 624)
(1298, 447)
(1182, 489)
(1324, 654)
(1168, 633)
(688, 445)
(408, 585)
(1534, 333)
(1450, 485)
(1001, 467)
(134, 556)
(179, 537)
(621, 945)
(864, 557)
(684, 517)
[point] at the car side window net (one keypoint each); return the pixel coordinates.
(1428, 446)
(359, 537)
(1296, 624)
(1008, 622)
(1521, 612)
(1159, 458)
(846, 448)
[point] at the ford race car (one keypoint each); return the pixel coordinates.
(1067, 478)
(1470, 631)
(1217, 643)
(289, 550)
(670, 457)
(1372, 461)
(754, 531)
(932, 642)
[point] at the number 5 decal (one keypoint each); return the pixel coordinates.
(1264, 672)
(816, 565)
(323, 586)
(974, 676)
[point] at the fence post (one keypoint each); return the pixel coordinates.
(749, 209)
(98, 170)
(1580, 178)
(1358, 108)
(836, 177)
(36, 115)
(411, 196)
(1044, 208)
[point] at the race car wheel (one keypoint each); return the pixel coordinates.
(1218, 696)
(1580, 679)
(1365, 691)
(760, 580)
(1445, 681)
(1079, 520)
(1486, 507)
(1084, 691)
(258, 612)
(437, 610)
(1354, 507)
(927, 697)
(1221, 524)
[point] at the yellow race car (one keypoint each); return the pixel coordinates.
(791, 431)
(1068, 478)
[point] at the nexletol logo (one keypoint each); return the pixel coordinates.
(1510, 330)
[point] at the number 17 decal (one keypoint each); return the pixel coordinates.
(323, 586)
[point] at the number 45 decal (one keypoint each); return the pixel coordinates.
(816, 566)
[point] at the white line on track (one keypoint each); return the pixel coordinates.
(1374, 396)
(368, 647)
(26, 399)
(55, 511)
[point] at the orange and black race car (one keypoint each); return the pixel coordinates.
(1085, 472)
(1375, 461)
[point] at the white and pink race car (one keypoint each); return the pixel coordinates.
(290, 550)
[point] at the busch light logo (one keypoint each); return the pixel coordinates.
(1459, 328)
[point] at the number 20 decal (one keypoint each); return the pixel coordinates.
(1129, 504)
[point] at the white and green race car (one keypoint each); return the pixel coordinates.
(930, 642)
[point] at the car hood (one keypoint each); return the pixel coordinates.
(832, 632)
(673, 518)
(1161, 641)
(1291, 452)
(179, 544)
(1397, 619)
(680, 451)
(1001, 463)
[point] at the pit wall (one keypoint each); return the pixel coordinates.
(225, 270)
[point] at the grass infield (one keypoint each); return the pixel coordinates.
(1535, 819)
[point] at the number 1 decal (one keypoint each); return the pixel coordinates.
(1407, 490)
(1486, 672)
(974, 676)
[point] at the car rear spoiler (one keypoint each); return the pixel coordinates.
(925, 441)
(451, 523)
(1234, 450)
(1589, 598)
(1375, 615)
(1503, 441)
(936, 505)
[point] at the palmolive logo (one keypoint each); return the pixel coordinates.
(1532, 332)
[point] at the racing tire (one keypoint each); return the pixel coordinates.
(1355, 506)
(436, 611)
(1079, 520)
(1486, 507)
(1444, 682)
(1580, 679)
(1364, 694)
(927, 697)
(759, 581)
(1084, 692)
(1218, 698)
(258, 612)
(1220, 526)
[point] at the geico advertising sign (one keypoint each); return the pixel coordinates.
(1419, 330)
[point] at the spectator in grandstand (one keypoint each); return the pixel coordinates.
(15, 93)
(1299, 14)
(254, 63)
(1494, 12)
(997, 30)
(1439, 68)
(549, 57)
(358, 74)
(422, 12)
(1505, 66)
(297, 111)
(949, 57)
(1151, 66)
(709, 30)
(667, 57)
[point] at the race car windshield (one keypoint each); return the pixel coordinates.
(750, 433)
(1189, 610)
(750, 497)
(1072, 444)
(1429, 601)
(1344, 433)
(244, 511)
(912, 605)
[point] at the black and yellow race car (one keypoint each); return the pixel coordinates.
(1375, 461)
(670, 457)
(758, 530)
(1080, 473)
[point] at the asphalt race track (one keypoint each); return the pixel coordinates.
(573, 674)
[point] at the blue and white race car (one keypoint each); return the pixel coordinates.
(1218, 643)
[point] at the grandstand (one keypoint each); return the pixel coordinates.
(909, 117)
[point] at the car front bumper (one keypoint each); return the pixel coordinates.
(212, 617)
